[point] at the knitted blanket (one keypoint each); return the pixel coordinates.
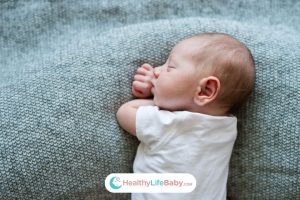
(66, 67)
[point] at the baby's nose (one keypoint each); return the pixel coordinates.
(157, 71)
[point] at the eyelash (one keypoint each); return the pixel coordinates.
(170, 67)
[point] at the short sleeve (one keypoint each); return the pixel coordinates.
(152, 124)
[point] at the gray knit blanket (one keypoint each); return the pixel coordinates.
(66, 67)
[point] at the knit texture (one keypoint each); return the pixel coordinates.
(67, 66)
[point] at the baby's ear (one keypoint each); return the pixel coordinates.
(207, 90)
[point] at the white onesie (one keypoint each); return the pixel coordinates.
(185, 142)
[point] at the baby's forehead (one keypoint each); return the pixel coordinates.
(189, 45)
(187, 48)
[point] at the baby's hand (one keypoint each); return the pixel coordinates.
(142, 85)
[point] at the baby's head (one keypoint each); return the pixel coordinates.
(210, 73)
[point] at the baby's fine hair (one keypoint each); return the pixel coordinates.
(228, 59)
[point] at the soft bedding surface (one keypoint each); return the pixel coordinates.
(67, 66)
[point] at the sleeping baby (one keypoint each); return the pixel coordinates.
(183, 117)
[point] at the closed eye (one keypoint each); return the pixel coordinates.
(170, 68)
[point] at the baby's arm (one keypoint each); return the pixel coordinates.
(126, 114)
(141, 88)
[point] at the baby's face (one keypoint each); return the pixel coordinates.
(176, 81)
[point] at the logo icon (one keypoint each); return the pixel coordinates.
(115, 183)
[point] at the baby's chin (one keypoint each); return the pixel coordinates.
(159, 104)
(163, 105)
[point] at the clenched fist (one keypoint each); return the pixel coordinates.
(142, 83)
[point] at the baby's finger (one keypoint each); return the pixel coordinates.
(140, 93)
(142, 71)
(146, 70)
(142, 78)
(139, 77)
(141, 86)
(147, 67)
(137, 93)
